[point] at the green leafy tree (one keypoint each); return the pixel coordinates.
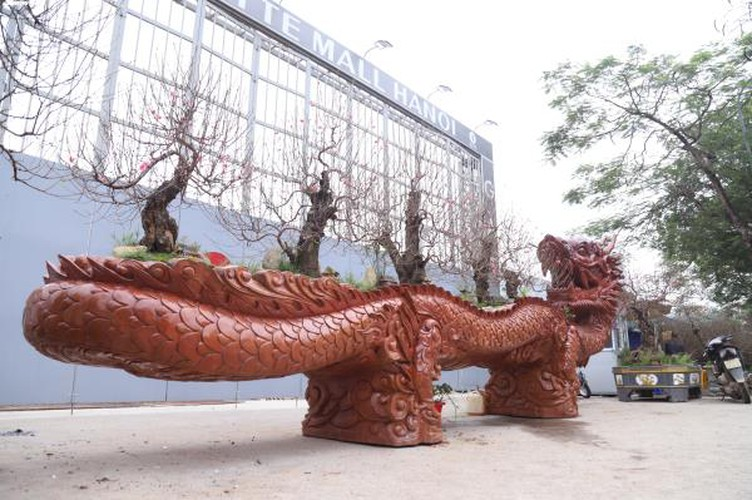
(681, 177)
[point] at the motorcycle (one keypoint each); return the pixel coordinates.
(728, 367)
(584, 391)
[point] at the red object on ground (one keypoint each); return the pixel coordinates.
(217, 258)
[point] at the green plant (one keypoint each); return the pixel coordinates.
(251, 267)
(494, 302)
(467, 295)
(652, 357)
(286, 265)
(126, 239)
(361, 285)
(189, 247)
(624, 356)
(140, 253)
(365, 287)
(678, 359)
(568, 313)
(441, 390)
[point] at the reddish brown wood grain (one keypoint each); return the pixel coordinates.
(371, 357)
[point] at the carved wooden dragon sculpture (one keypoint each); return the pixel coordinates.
(371, 357)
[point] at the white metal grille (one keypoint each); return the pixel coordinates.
(284, 102)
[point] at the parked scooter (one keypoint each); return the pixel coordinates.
(728, 367)
(585, 391)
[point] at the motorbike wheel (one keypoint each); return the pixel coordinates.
(745, 394)
(585, 390)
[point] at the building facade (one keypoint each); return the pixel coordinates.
(284, 101)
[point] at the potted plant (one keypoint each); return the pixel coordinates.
(439, 392)
(649, 373)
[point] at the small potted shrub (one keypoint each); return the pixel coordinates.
(439, 392)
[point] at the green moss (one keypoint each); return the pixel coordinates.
(145, 255)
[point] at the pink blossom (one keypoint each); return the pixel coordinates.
(144, 166)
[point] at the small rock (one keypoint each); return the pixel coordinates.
(272, 259)
(17, 432)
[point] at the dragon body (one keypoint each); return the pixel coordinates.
(371, 357)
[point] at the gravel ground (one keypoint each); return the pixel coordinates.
(654, 449)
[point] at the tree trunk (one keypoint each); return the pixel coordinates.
(512, 283)
(305, 256)
(743, 228)
(482, 264)
(411, 269)
(160, 229)
(482, 284)
(648, 330)
(410, 264)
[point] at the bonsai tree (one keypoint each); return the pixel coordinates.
(313, 195)
(188, 145)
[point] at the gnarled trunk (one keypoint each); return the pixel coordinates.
(305, 255)
(409, 264)
(512, 283)
(482, 284)
(411, 269)
(160, 229)
(482, 264)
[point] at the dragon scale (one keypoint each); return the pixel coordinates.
(371, 357)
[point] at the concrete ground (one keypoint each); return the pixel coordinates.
(655, 449)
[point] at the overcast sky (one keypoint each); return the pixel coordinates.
(493, 53)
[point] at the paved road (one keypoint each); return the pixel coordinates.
(646, 450)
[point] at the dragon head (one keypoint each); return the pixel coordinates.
(581, 271)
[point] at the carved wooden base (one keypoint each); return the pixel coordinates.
(376, 407)
(530, 391)
(371, 356)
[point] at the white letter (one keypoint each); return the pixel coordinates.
(290, 26)
(429, 111)
(325, 49)
(345, 59)
(269, 8)
(376, 82)
(400, 93)
(415, 104)
(444, 122)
